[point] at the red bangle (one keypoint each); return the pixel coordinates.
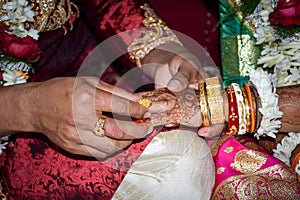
(252, 108)
(233, 117)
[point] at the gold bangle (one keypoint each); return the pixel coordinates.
(203, 105)
(215, 100)
(247, 108)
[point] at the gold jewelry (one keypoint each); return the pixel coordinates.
(99, 127)
(157, 33)
(247, 108)
(145, 102)
(215, 100)
(203, 105)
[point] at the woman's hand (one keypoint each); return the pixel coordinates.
(66, 110)
(174, 67)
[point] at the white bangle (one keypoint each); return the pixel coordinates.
(241, 109)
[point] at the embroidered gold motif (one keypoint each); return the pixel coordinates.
(220, 170)
(228, 149)
(157, 33)
(248, 161)
(275, 182)
(52, 14)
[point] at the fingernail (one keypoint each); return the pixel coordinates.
(174, 85)
(147, 115)
(150, 130)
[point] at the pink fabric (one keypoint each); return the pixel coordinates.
(245, 170)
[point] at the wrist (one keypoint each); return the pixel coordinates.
(16, 111)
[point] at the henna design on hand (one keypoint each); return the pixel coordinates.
(173, 109)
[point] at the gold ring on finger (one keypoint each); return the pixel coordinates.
(99, 127)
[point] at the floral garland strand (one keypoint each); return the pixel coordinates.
(270, 122)
(284, 149)
(282, 55)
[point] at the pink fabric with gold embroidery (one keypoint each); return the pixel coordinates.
(244, 170)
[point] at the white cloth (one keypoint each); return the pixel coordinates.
(175, 165)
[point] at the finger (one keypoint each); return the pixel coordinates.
(178, 83)
(88, 151)
(106, 102)
(162, 76)
(187, 75)
(104, 144)
(212, 131)
(118, 129)
(117, 91)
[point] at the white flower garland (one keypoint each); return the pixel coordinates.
(16, 13)
(281, 54)
(284, 149)
(269, 124)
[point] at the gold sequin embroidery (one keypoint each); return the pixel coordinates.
(275, 182)
(228, 149)
(248, 161)
(220, 170)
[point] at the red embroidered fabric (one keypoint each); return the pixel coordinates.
(36, 169)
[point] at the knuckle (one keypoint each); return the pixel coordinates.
(122, 106)
(84, 93)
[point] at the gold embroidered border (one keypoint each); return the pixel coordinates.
(53, 14)
(276, 181)
(157, 33)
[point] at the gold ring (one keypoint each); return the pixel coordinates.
(145, 102)
(99, 127)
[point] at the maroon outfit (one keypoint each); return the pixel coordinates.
(34, 168)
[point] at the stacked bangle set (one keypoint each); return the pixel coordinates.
(211, 102)
(243, 105)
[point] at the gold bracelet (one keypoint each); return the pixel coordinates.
(248, 119)
(203, 105)
(215, 100)
(157, 33)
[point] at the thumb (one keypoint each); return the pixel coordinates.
(178, 83)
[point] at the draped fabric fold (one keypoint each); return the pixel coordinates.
(245, 170)
(175, 165)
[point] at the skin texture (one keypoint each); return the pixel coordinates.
(289, 104)
(174, 109)
(67, 115)
(66, 109)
